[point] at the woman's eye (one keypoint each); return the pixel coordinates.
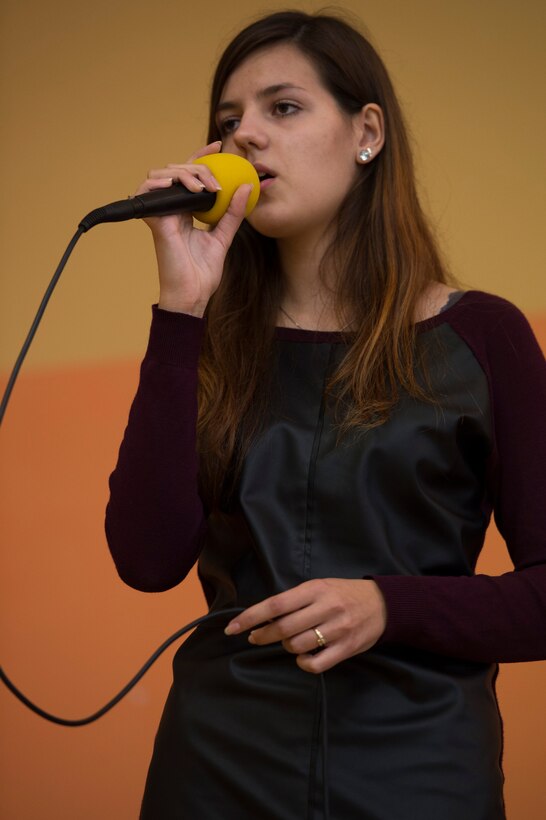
(228, 125)
(284, 108)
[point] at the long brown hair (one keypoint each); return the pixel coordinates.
(383, 253)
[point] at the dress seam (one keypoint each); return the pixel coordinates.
(313, 757)
(309, 501)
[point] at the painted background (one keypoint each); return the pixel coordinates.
(93, 96)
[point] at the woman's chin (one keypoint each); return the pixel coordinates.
(272, 228)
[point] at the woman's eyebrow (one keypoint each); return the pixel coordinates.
(264, 92)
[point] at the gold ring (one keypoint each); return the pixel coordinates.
(321, 640)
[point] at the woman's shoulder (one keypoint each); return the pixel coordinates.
(477, 312)
(488, 304)
(499, 335)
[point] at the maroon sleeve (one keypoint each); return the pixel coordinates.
(484, 618)
(154, 518)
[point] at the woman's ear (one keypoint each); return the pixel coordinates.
(370, 132)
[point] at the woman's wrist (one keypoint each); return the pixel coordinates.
(177, 304)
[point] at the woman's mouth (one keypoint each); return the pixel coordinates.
(265, 175)
(265, 181)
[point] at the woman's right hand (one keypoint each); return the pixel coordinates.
(190, 260)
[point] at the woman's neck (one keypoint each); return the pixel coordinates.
(308, 298)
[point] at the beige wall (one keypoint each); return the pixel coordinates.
(95, 94)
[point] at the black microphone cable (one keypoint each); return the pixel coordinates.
(82, 228)
(36, 322)
(228, 613)
(127, 688)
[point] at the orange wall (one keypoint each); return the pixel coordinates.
(73, 634)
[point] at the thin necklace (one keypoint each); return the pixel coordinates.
(302, 328)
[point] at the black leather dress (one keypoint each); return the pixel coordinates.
(412, 735)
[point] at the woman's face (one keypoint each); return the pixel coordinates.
(275, 112)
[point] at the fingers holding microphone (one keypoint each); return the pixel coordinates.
(217, 176)
(230, 222)
(197, 177)
(194, 177)
(190, 260)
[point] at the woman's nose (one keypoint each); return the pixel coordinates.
(250, 133)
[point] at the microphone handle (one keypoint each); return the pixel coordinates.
(161, 202)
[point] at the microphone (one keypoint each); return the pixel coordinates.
(229, 169)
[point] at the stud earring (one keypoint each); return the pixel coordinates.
(365, 155)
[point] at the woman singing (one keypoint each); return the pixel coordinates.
(326, 423)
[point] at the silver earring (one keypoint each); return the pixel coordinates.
(365, 155)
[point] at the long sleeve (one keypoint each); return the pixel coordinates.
(484, 618)
(154, 519)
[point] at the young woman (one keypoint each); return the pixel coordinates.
(327, 426)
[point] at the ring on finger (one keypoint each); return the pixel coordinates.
(321, 640)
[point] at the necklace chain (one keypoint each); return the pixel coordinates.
(302, 328)
(290, 318)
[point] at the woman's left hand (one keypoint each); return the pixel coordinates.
(350, 614)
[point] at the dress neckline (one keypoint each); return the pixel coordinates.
(294, 334)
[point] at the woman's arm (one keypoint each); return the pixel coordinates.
(484, 618)
(154, 518)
